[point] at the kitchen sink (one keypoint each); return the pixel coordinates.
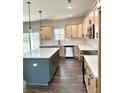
(89, 52)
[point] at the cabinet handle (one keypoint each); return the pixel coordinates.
(84, 71)
(91, 76)
(53, 62)
(88, 81)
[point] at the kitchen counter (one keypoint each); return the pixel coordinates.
(92, 61)
(85, 47)
(80, 42)
(41, 53)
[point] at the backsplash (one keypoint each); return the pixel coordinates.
(63, 42)
(93, 43)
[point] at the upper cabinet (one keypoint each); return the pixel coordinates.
(85, 25)
(68, 30)
(46, 32)
(91, 23)
(74, 31)
(96, 16)
(80, 30)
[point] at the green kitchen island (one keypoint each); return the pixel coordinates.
(40, 65)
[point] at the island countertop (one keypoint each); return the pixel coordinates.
(40, 53)
(92, 61)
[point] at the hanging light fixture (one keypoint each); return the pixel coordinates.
(40, 20)
(30, 29)
(69, 4)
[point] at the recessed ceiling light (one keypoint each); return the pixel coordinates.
(70, 15)
(69, 7)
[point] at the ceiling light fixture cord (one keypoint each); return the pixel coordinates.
(69, 1)
(29, 3)
(40, 20)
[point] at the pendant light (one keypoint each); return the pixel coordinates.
(40, 20)
(69, 4)
(30, 29)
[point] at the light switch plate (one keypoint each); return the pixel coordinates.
(35, 65)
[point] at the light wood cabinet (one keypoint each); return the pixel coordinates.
(68, 30)
(61, 51)
(96, 23)
(92, 18)
(46, 32)
(85, 25)
(90, 80)
(74, 31)
(76, 51)
(80, 30)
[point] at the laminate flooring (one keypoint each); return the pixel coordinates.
(66, 80)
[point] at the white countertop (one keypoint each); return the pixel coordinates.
(41, 53)
(85, 47)
(92, 61)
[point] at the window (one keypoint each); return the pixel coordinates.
(59, 34)
(35, 42)
(26, 42)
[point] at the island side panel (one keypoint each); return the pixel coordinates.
(37, 74)
(53, 64)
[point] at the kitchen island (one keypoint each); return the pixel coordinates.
(40, 65)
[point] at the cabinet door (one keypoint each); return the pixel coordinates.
(96, 23)
(80, 30)
(68, 31)
(85, 25)
(74, 31)
(89, 85)
(86, 74)
(52, 67)
(46, 32)
(61, 51)
(43, 34)
(49, 32)
(92, 87)
(76, 51)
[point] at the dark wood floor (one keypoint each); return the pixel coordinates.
(67, 80)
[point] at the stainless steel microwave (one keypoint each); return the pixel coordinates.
(91, 31)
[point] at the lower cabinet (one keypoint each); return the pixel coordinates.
(90, 80)
(91, 87)
(62, 51)
(76, 51)
(53, 64)
(52, 68)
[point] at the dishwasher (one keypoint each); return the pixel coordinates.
(69, 51)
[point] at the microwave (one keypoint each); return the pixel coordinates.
(91, 31)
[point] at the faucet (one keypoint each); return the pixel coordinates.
(59, 42)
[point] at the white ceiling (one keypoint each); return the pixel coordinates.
(55, 9)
